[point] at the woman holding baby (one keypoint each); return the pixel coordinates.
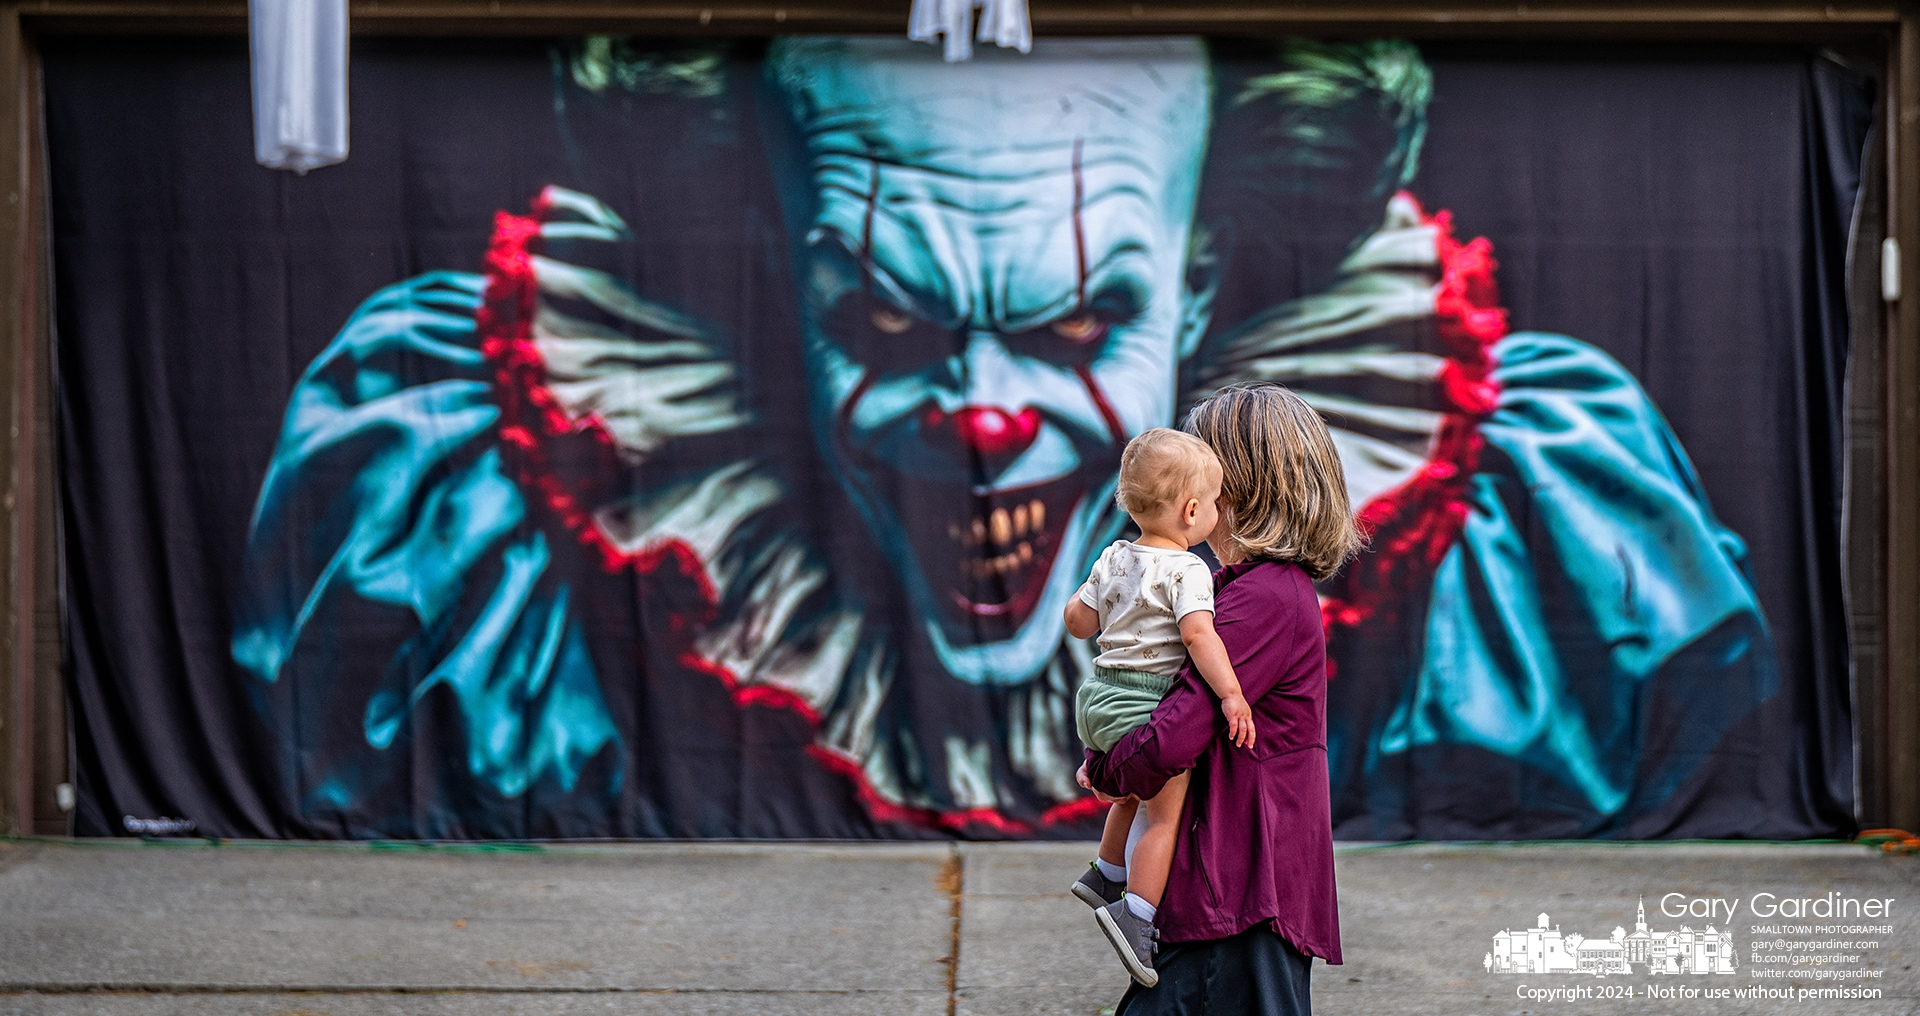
(1248, 898)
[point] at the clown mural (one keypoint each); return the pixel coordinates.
(525, 492)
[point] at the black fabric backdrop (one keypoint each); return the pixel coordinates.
(1684, 210)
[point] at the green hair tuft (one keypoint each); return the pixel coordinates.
(599, 62)
(1322, 84)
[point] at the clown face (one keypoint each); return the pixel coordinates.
(994, 263)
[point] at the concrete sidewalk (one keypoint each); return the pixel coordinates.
(138, 930)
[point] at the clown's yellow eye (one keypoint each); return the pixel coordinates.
(891, 320)
(1081, 327)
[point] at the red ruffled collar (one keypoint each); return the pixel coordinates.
(1411, 527)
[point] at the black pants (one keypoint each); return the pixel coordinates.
(1254, 973)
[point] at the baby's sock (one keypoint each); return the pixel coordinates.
(1112, 872)
(1141, 908)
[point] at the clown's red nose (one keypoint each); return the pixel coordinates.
(987, 434)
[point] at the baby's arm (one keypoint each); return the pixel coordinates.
(1082, 621)
(1209, 657)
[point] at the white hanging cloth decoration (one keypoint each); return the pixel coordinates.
(1002, 22)
(299, 82)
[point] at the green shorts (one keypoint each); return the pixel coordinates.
(1113, 702)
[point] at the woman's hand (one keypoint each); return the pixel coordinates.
(1239, 721)
(1081, 776)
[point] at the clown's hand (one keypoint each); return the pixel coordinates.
(650, 373)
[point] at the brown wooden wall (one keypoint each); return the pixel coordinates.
(1883, 553)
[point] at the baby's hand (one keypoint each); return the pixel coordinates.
(1239, 720)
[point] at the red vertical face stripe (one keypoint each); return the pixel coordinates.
(1079, 228)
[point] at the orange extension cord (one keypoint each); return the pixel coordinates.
(1892, 841)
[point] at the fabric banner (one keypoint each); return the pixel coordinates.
(680, 439)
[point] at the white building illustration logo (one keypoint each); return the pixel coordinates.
(1542, 949)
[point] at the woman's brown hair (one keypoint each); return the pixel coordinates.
(1283, 493)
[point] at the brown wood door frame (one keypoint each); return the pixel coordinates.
(34, 749)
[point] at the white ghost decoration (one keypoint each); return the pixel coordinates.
(299, 82)
(1002, 22)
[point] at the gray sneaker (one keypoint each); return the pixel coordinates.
(1097, 890)
(1134, 939)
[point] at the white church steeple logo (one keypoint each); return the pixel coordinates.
(1543, 949)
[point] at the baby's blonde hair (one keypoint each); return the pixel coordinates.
(1159, 468)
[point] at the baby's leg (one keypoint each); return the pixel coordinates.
(1113, 839)
(1153, 855)
(1107, 879)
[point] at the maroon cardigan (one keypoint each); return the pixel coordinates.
(1256, 839)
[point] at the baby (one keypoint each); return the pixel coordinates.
(1151, 601)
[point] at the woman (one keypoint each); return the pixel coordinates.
(1250, 899)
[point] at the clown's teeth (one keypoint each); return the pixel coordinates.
(1004, 564)
(999, 529)
(1002, 526)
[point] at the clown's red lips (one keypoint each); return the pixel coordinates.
(986, 555)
